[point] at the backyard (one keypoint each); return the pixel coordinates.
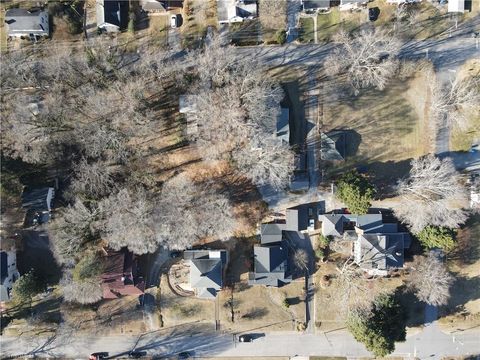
(384, 129)
(463, 309)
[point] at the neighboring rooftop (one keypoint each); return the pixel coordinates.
(230, 11)
(332, 147)
(271, 265)
(120, 275)
(315, 4)
(21, 22)
(112, 15)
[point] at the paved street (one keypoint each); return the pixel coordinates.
(203, 341)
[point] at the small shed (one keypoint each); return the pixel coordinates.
(456, 6)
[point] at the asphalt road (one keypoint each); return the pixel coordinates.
(203, 341)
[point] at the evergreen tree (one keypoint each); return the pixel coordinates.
(356, 192)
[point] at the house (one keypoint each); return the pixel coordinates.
(315, 5)
(207, 271)
(27, 24)
(187, 105)
(456, 6)
(283, 125)
(332, 146)
(378, 247)
(399, 2)
(474, 183)
(121, 275)
(38, 205)
(302, 217)
(351, 4)
(272, 261)
(8, 274)
(112, 15)
(232, 11)
(160, 6)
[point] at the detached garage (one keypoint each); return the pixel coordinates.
(456, 6)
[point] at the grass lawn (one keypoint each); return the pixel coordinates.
(461, 140)
(332, 22)
(463, 309)
(196, 19)
(384, 128)
(3, 33)
(246, 33)
(158, 29)
(254, 308)
(178, 310)
(306, 34)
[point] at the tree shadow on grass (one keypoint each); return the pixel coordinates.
(463, 290)
(414, 309)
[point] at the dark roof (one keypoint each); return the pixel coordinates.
(382, 251)
(332, 147)
(3, 266)
(315, 4)
(283, 125)
(271, 265)
(36, 199)
(271, 233)
(120, 274)
(115, 12)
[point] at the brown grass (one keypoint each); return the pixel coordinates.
(463, 308)
(255, 309)
(387, 127)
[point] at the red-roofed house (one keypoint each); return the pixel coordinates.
(120, 276)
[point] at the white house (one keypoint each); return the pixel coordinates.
(232, 11)
(9, 273)
(399, 2)
(351, 4)
(456, 6)
(22, 23)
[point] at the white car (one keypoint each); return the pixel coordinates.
(173, 21)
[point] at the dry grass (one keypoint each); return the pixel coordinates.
(330, 314)
(176, 310)
(385, 127)
(463, 308)
(198, 16)
(254, 309)
(461, 140)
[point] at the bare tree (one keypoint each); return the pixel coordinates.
(368, 58)
(128, 221)
(432, 194)
(455, 99)
(88, 291)
(92, 180)
(430, 280)
(187, 212)
(273, 13)
(265, 162)
(71, 230)
(300, 258)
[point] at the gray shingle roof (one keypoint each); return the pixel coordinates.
(380, 251)
(206, 273)
(271, 233)
(271, 265)
(21, 21)
(38, 199)
(332, 147)
(315, 4)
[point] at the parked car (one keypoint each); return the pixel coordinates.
(185, 355)
(175, 254)
(373, 13)
(137, 354)
(173, 21)
(98, 355)
(245, 338)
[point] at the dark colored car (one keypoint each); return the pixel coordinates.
(185, 355)
(245, 338)
(98, 355)
(373, 13)
(175, 254)
(137, 354)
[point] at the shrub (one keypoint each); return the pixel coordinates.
(320, 253)
(88, 267)
(356, 192)
(281, 36)
(380, 326)
(26, 287)
(324, 241)
(286, 303)
(437, 237)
